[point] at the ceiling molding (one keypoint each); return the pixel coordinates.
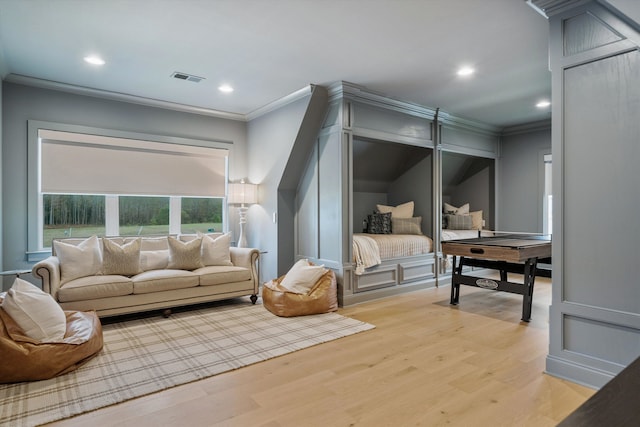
(549, 8)
(117, 96)
(527, 127)
(279, 103)
(364, 95)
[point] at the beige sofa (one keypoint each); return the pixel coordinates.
(154, 286)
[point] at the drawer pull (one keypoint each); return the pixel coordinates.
(476, 250)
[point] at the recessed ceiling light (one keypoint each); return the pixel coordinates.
(543, 104)
(225, 88)
(465, 71)
(94, 60)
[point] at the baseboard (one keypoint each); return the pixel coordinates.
(577, 373)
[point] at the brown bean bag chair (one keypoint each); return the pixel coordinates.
(322, 298)
(24, 359)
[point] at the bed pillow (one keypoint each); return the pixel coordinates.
(82, 260)
(36, 312)
(379, 223)
(215, 250)
(404, 210)
(406, 225)
(184, 256)
(452, 210)
(302, 276)
(121, 259)
(476, 220)
(458, 222)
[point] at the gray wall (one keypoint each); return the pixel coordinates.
(23, 103)
(477, 190)
(521, 180)
(270, 140)
(595, 311)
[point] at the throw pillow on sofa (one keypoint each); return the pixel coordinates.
(184, 255)
(302, 276)
(82, 260)
(215, 250)
(36, 312)
(122, 260)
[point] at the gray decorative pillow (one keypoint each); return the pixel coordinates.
(123, 260)
(458, 222)
(379, 223)
(406, 225)
(184, 256)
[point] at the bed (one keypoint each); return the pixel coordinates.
(370, 250)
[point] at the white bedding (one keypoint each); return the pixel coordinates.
(448, 234)
(388, 246)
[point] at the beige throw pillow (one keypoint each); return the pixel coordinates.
(215, 250)
(404, 210)
(123, 260)
(302, 276)
(82, 260)
(406, 225)
(476, 220)
(184, 256)
(35, 311)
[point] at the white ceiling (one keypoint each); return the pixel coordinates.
(267, 49)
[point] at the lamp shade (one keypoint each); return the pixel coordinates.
(243, 193)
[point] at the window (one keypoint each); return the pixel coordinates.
(87, 181)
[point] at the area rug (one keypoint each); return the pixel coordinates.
(150, 354)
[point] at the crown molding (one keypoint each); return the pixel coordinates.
(281, 102)
(361, 94)
(117, 96)
(527, 127)
(549, 8)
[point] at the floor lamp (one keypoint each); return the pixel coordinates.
(243, 194)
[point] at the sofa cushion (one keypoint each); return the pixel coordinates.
(121, 259)
(184, 256)
(95, 287)
(151, 243)
(163, 280)
(84, 259)
(218, 274)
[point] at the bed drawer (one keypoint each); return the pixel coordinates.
(380, 277)
(415, 270)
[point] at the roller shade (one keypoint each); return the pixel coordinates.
(74, 163)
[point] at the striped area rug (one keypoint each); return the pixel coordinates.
(146, 355)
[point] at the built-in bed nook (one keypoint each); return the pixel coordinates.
(468, 184)
(393, 203)
(372, 156)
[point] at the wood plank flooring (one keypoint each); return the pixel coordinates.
(426, 364)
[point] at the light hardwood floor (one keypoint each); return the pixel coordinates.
(426, 363)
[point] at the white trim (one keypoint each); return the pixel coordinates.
(279, 103)
(123, 97)
(112, 215)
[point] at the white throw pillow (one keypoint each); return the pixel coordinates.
(302, 276)
(404, 210)
(154, 260)
(215, 251)
(82, 260)
(452, 210)
(36, 312)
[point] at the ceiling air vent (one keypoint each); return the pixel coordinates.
(187, 77)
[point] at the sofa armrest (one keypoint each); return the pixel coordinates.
(48, 270)
(247, 258)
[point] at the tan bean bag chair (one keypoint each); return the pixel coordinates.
(322, 298)
(24, 359)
